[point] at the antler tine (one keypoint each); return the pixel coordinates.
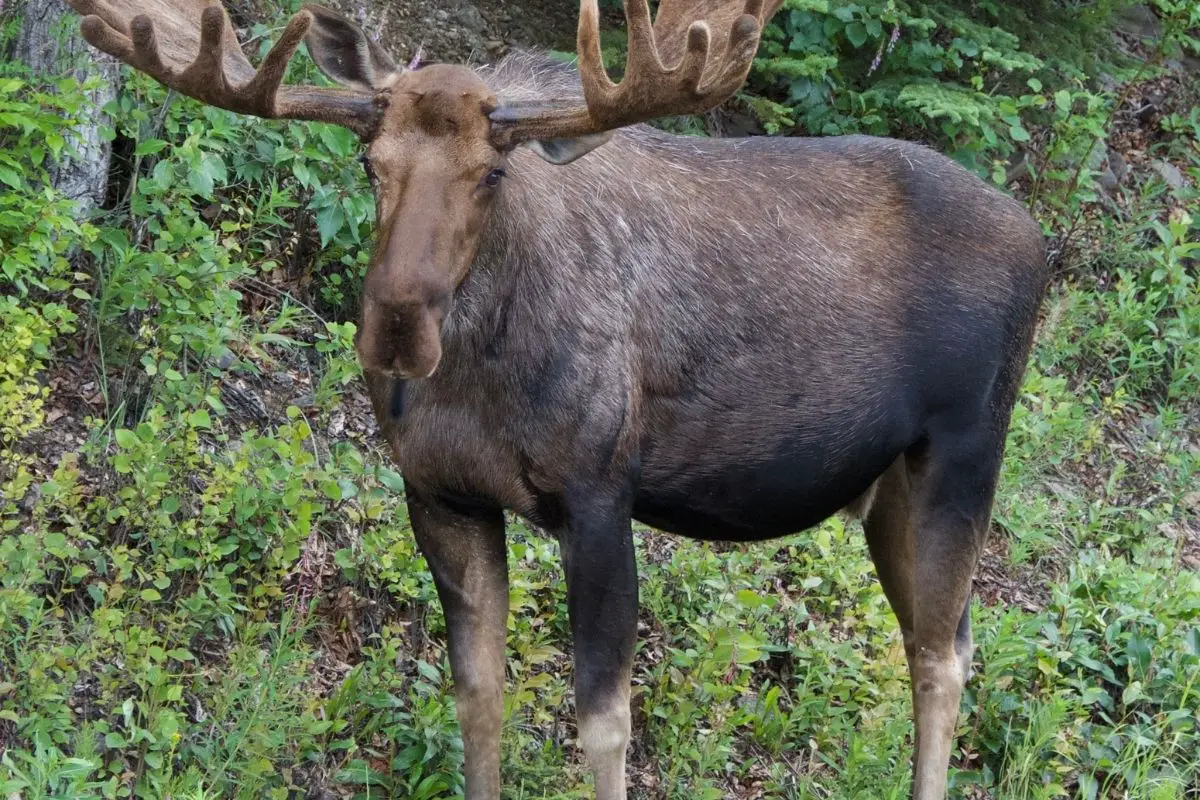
(694, 83)
(145, 45)
(203, 60)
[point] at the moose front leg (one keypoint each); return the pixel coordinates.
(602, 599)
(466, 554)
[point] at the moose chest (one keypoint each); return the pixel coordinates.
(489, 437)
(448, 442)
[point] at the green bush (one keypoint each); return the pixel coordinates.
(199, 601)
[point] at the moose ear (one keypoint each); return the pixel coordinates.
(345, 54)
(564, 151)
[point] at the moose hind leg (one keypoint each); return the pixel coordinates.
(602, 600)
(953, 481)
(466, 552)
(888, 528)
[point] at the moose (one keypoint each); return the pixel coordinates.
(581, 319)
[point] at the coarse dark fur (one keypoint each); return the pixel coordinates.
(748, 331)
(727, 339)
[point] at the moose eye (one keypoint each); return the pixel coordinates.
(492, 179)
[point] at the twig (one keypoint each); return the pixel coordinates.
(285, 295)
(1122, 99)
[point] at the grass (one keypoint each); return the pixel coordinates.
(208, 587)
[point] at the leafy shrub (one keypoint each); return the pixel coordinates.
(176, 593)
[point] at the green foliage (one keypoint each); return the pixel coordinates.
(36, 230)
(973, 80)
(197, 601)
(887, 66)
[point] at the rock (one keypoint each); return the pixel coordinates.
(470, 19)
(1114, 172)
(1108, 181)
(1118, 165)
(31, 498)
(1139, 21)
(1169, 173)
(463, 31)
(1018, 167)
(1098, 156)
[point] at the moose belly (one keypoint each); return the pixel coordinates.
(740, 490)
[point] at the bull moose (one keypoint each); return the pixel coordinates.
(584, 320)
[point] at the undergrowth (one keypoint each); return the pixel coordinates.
(208, 587)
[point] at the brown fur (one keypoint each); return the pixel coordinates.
(727, 339)
(818, 277)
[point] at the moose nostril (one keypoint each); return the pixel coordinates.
(403, 340)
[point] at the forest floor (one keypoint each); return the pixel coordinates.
(208, 586)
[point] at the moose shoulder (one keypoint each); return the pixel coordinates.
(723, 338)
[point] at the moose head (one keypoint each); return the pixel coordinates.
(437, 138)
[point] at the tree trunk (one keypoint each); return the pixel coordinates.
(49, 42)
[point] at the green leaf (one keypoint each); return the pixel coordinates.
(344, 558)
(968, 47)
(200, 182)
(1018, 133)
(10, 176)
(125, 437)
(204, 176)
(340, 141)
(1139, 654)
(856, 32)
(149, 147)
(303, 174)
(390, 478)
(151, 595)
(329, 222)
(199, 419)
(749, 598)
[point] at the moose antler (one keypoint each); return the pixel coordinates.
(692, 85)
(190, 46)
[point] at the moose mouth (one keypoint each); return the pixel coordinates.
(401, 340)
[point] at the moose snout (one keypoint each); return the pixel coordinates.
(401, 339)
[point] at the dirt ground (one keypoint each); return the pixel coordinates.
(461, 31)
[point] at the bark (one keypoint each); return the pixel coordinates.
(50, 44)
